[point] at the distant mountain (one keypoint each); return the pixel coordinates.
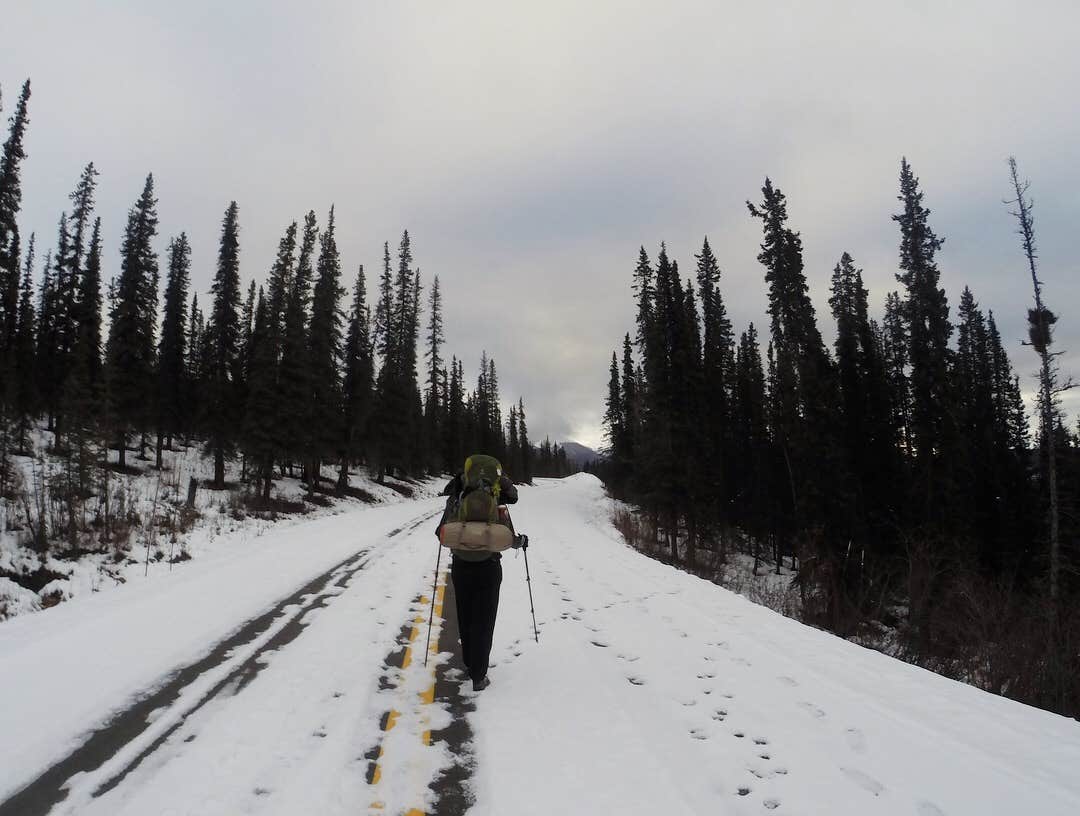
(579, 454)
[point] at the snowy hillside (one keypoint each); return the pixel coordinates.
(149, 528)
(285, 675)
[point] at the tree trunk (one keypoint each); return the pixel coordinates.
(268, 480)
(343, 476)
(160, 442)
(219, 468)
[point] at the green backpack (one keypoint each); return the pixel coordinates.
(479, 500)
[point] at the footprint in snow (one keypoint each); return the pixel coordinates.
(788, 681)
(636, 681)
(742, 661)
(771, 804)
(760, 741)
(856, 740)
(719, 715)
(743, 791)
(924, 808)
(867, 783)
(707, 676)
(698, 734)
(628, 658)
(813, 709)
(598, 643)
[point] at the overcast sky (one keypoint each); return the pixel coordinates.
(530, 150)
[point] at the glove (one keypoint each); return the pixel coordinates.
(521, 542)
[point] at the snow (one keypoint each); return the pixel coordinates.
(153, 499)
(650, 690)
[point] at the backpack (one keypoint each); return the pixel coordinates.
(479, 499)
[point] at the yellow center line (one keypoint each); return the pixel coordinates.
(426, 697)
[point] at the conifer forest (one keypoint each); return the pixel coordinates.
(299, 372)
(897, 472)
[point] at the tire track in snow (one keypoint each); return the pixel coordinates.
(227, 669)
(450, 785)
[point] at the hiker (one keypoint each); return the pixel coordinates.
(481, 488)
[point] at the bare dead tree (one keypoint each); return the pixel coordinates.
(1040, 331)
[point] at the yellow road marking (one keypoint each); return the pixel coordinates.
(426, 697)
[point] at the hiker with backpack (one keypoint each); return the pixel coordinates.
(476, 527)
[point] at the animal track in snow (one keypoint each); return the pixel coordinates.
(760, 741)
(636, 681)
(698, 734)
(856, 740)
(743, 791)
(788, 681)
(867, 783)
(813, 709)
(771, 804)
(924, 808)
(598, 643)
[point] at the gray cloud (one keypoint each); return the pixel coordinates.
(530, 151)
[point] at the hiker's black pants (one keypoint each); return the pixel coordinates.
(476, 595)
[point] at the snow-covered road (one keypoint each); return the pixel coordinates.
(290, 680)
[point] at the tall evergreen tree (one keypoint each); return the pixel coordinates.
(926, 317)
(804, 393)
(614, 414)
(258, 437)
(324, 355)
(525, 445)
(130, 347)
(358, 380)
(172, 348)
(294, 373)
(434, 409)
(717, 365)
(223, 341)
(25, 402)
(11, 158)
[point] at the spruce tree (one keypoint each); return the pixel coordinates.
(259, 440)
(25, 400)
(223, 342)
(805, 392)
(524, 444)
(294, 373)
(193, 369)
(614, 413)
(172, 348)
(130, 348)
(717, 365)
(357, 382)
(926, 317)
(324, 356)
(434, 410)
(11, 158)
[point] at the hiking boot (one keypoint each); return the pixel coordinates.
(481, 684)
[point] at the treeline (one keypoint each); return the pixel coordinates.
(896, 469)
(291, 377)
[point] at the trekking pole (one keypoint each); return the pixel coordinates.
(528, 580)
(431, 617)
